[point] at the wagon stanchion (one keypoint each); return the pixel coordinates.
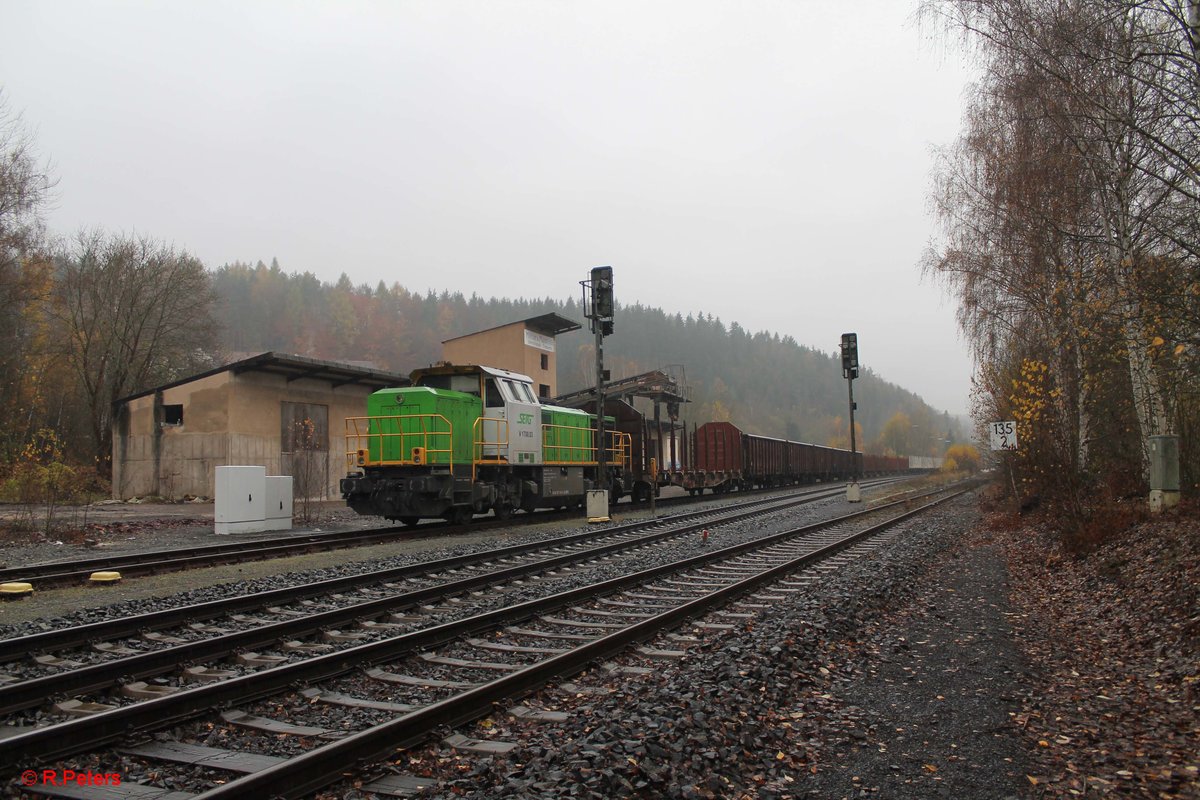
(653, 486)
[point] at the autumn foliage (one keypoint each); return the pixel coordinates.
(1071, 239)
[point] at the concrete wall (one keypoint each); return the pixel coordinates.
(153, 458)
(227, 420)
(505, 348)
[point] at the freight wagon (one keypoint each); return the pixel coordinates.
(724, 458)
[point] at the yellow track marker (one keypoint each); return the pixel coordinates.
(15, 590)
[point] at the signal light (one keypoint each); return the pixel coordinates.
(602, 292)
(418, 455)
(850, 355)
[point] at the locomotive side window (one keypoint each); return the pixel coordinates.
(493, 398)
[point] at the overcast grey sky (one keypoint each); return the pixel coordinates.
(766, 162)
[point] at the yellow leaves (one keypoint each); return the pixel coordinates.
(1179, 348)
(1157, 341)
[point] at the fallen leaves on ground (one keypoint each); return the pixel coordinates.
(1113, 638)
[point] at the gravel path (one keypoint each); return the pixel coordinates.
(927, 709)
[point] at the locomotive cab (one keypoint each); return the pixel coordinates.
(510, 417)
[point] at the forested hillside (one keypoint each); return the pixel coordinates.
(760, 381)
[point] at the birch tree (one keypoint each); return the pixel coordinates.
(1113, 84)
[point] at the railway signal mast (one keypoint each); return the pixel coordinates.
(850, 372)
(598, 307)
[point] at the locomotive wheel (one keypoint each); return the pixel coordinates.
(502, 510)
(459, 515)
(408, 522)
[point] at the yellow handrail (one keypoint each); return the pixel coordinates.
(571, 445)
(415, 447)
(480, 442)
(621, 451)
(579, 447)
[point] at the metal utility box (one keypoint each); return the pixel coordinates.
(597, 505)
(279, 503)
(241, 499)
(1164, 472)
(1164, 463)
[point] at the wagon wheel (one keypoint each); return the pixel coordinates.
(460, 515)
(502, 510)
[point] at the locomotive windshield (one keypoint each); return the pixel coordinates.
(519, 392)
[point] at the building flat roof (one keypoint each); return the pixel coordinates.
(547, 324)
(293, 368)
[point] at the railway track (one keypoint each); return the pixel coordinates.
(77, 571)
(147, 645)
(537, 638)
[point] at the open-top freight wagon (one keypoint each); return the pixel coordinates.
(724, 458)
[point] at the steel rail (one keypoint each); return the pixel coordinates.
(317, 768)
(57, 573)
(15, 648)
(33, 692)
(56, 741)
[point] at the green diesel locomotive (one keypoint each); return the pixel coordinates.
(463, 440)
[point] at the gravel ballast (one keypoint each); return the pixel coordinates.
(798, 702)
(895, 677)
